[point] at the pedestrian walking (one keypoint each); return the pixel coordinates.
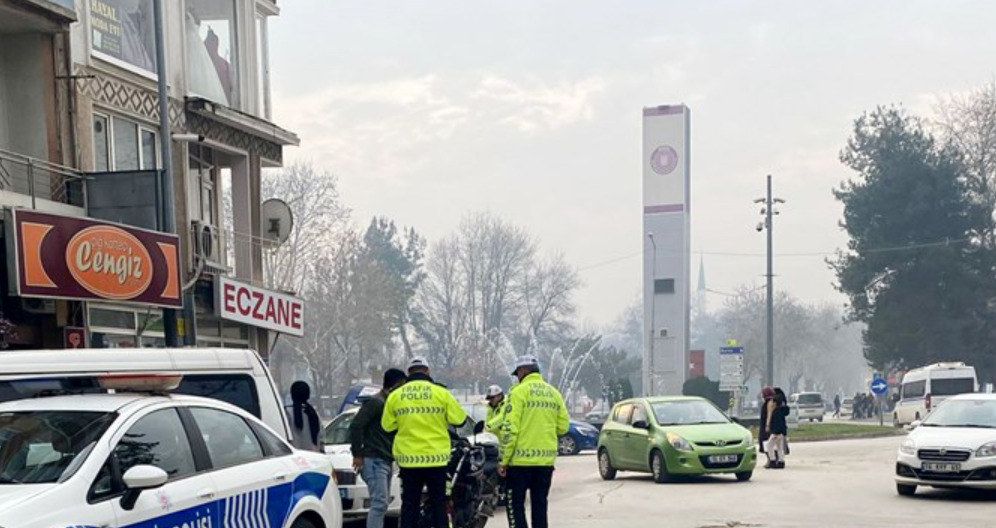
(372, 447)
(777, 429)
(536, 418)
(421, 412)
(767, 393)
(836, 406)
(306, 427)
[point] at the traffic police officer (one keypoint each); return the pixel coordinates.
(421, 412)
(535, 418)
(496, 409)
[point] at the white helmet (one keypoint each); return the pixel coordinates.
(493, 391)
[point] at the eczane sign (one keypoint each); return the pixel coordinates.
(243, 303)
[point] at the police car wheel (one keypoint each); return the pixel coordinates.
(303, 523)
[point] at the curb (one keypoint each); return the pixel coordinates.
(863, 436)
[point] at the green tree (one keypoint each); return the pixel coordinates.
(912, 271)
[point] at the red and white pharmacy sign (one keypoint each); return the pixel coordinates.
(243, 303)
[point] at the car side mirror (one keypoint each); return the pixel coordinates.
(913, 425)
(641, 424)
(479, 427)
(735, 420)
(138, 479)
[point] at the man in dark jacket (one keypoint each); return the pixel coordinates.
(372, 448)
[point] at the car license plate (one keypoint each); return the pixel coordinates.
(343, 493)
(722, 459)
(941, 467)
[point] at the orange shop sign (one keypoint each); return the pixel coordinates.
(243, 303)
(82, 258)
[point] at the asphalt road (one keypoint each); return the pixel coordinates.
(844, 483)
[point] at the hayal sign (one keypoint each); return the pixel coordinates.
(66, 257)
(243, 303)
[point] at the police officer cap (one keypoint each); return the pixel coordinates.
(525, 361)
(493, 391)
(418, 361)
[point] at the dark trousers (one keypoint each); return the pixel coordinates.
(536, 480)
(413, 480)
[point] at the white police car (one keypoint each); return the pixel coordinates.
(145, 461)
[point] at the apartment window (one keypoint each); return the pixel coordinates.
(212, 50)
(123, 32)
(120, 144)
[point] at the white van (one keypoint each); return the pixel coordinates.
(924, 388)
(235, 376)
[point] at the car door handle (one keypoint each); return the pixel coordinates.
(206, 494)
(280, 478)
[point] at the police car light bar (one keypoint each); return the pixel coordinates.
(157, 382)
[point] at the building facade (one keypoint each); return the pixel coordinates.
(93, 150)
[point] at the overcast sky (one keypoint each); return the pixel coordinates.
(532, 110)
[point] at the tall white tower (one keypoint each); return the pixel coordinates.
(666, 214)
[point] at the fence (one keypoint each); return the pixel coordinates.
(40, 179)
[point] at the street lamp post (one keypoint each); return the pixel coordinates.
(769, 213)
(653, 312)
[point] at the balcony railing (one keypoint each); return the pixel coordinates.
(41, 180)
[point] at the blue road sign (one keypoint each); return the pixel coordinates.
(879, 386)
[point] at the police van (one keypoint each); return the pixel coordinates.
(924, 388)
(143, 457)
(235, 376)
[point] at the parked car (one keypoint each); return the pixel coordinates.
(926, 387)
(809, 406)
(582, 436)
(672, 436)
(847, 407)
(597, 418)
(953, 447)
(234, 376)
(138, 459)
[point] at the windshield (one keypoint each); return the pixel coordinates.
(951, 386)
(687, 413)
(964, 413)
(41, 447)
(337, 432)
(810, 399)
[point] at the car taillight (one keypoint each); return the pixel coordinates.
(927, 399)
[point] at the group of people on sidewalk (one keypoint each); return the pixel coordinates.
(409, 423)
(773, 429)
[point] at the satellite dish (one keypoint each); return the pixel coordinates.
(277, 221)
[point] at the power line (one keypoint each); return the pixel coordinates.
(812, 254)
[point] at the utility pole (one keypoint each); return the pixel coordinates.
(653, 314)
(769, 213)
(165, 203)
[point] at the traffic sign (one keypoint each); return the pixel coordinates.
(731, 368)
(879, 386)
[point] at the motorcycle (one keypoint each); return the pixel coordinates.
(473, 484)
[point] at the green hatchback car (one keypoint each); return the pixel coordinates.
(671, 436)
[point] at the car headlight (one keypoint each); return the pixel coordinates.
(678, 442)
(749, 441)
(987, 450)
(908, 447)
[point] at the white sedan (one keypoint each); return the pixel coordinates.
(142, 461)
(954, 446)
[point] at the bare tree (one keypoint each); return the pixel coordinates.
(969, 123)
